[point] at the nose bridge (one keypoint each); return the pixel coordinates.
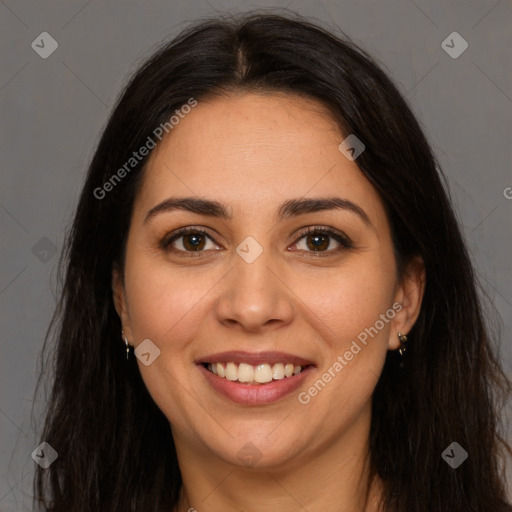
(255, 296)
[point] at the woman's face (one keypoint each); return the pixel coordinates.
(255, 293)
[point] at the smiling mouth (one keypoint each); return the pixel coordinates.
(254, 375)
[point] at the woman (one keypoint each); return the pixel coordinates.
(265, 230)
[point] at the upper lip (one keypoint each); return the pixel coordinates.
(254, 358)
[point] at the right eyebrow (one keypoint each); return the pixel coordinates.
(191, 204)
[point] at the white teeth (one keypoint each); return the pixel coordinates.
(245, 372)
(263, 373)
(231, 371)
(278, 371)
(259, 374)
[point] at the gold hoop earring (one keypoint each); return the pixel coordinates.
(403, 344)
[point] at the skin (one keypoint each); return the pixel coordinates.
(252, 152)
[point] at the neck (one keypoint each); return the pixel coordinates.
(335, 477)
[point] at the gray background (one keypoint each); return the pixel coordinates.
(53, 110)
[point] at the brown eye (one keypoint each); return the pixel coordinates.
(193, 241)
(320, 240)
(317, 242)
(188, 240)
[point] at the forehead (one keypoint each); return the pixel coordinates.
(251, 151)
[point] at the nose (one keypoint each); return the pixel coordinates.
(255, 296)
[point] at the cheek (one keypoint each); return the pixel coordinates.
(167, 306)
(348, 300)
(349, 306)
(164, 301)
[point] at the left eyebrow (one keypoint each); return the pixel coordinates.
(290, 208)
(296, 207)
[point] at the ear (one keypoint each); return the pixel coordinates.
(409, 295)
(120, 303)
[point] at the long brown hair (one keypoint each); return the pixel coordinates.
(116, 451)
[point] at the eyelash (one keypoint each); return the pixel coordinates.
(344, 241)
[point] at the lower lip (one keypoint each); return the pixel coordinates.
(256, 394)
